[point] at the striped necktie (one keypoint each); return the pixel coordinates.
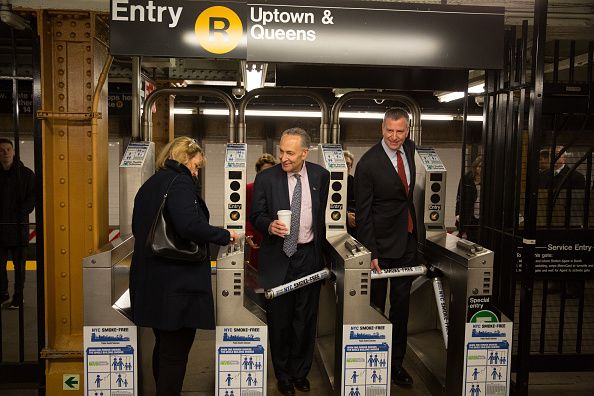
(290, 243)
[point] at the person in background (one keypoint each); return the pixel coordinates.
(386, 225)
(468, 212)
(351, 222)
(301, 187)
(17, 201)
(173, 297)
(252, 237)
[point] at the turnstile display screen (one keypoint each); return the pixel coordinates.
(234, 175)
(435, 177)
(336, 175)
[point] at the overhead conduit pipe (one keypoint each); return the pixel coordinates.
(147, 116)
(283, 92)
(413, 107)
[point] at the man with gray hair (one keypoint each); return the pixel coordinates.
(384, 183)
(302, 188)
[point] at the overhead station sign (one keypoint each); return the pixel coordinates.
(341, 32)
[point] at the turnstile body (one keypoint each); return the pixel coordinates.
(354, 341)
(241, 332)
(466, 272)
(465, 275)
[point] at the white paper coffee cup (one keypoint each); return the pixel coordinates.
(285, 217)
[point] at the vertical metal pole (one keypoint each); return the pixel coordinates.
(39, 242)
(461, 191)
(16, 125)
(136, 98)
(531, 196)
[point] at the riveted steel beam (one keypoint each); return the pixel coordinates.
(73, 54)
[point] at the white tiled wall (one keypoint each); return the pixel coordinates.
(114, 156)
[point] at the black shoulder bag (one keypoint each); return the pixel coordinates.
(163, 241)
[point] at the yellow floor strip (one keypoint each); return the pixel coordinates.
(31, 265)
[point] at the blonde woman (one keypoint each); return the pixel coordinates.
(173, 297)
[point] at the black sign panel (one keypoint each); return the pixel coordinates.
(25, 95)
(341, 32)
(389, 34)
(119, 98)
(567, 258)
(178, 28)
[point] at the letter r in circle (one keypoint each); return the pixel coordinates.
(212, 29)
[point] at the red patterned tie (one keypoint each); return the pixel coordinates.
(402, 174)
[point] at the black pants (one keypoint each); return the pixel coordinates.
(292, 320)
(170, 357)
(399, 298)
(18, 258)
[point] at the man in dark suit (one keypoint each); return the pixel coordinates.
(384, 183)
(301, 187)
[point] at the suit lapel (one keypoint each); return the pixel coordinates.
(314, 190)
(387, 164)
(283, 182)
(411, 165)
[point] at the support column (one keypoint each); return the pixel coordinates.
(74, 50)
(163, 123)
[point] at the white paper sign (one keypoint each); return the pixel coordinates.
(110, 361)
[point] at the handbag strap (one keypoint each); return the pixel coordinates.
(169, 186)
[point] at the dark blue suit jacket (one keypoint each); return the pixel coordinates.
(382, 203)
(271, 194)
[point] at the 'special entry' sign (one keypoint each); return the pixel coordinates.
(331, 32)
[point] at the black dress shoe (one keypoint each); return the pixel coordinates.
(301, 384)
(286, 387)
(401, 377)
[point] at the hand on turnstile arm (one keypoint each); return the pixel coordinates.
(234, 236)
(250, 242)
(375, 266)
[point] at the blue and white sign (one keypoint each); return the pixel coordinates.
(110, 361)
(135, 155)
(487, 353)
(366, 359)
(241, 360)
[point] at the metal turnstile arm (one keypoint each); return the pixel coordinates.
(418, 270)
(297, 284)
(441, 309)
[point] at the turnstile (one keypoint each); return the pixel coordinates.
(450, 366)
(241, 332)
(107, 316)
(354, 341)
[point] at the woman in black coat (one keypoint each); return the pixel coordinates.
(173, 297)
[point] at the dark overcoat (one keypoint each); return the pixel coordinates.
(17, 201)
(172, 294)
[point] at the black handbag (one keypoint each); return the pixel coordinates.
(163, 241)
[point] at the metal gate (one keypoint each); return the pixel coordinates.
(536, 200)
(21, 320)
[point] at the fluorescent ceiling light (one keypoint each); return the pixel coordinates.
(475, 118)
(316, 114)
(181, 110)
(449, 96)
